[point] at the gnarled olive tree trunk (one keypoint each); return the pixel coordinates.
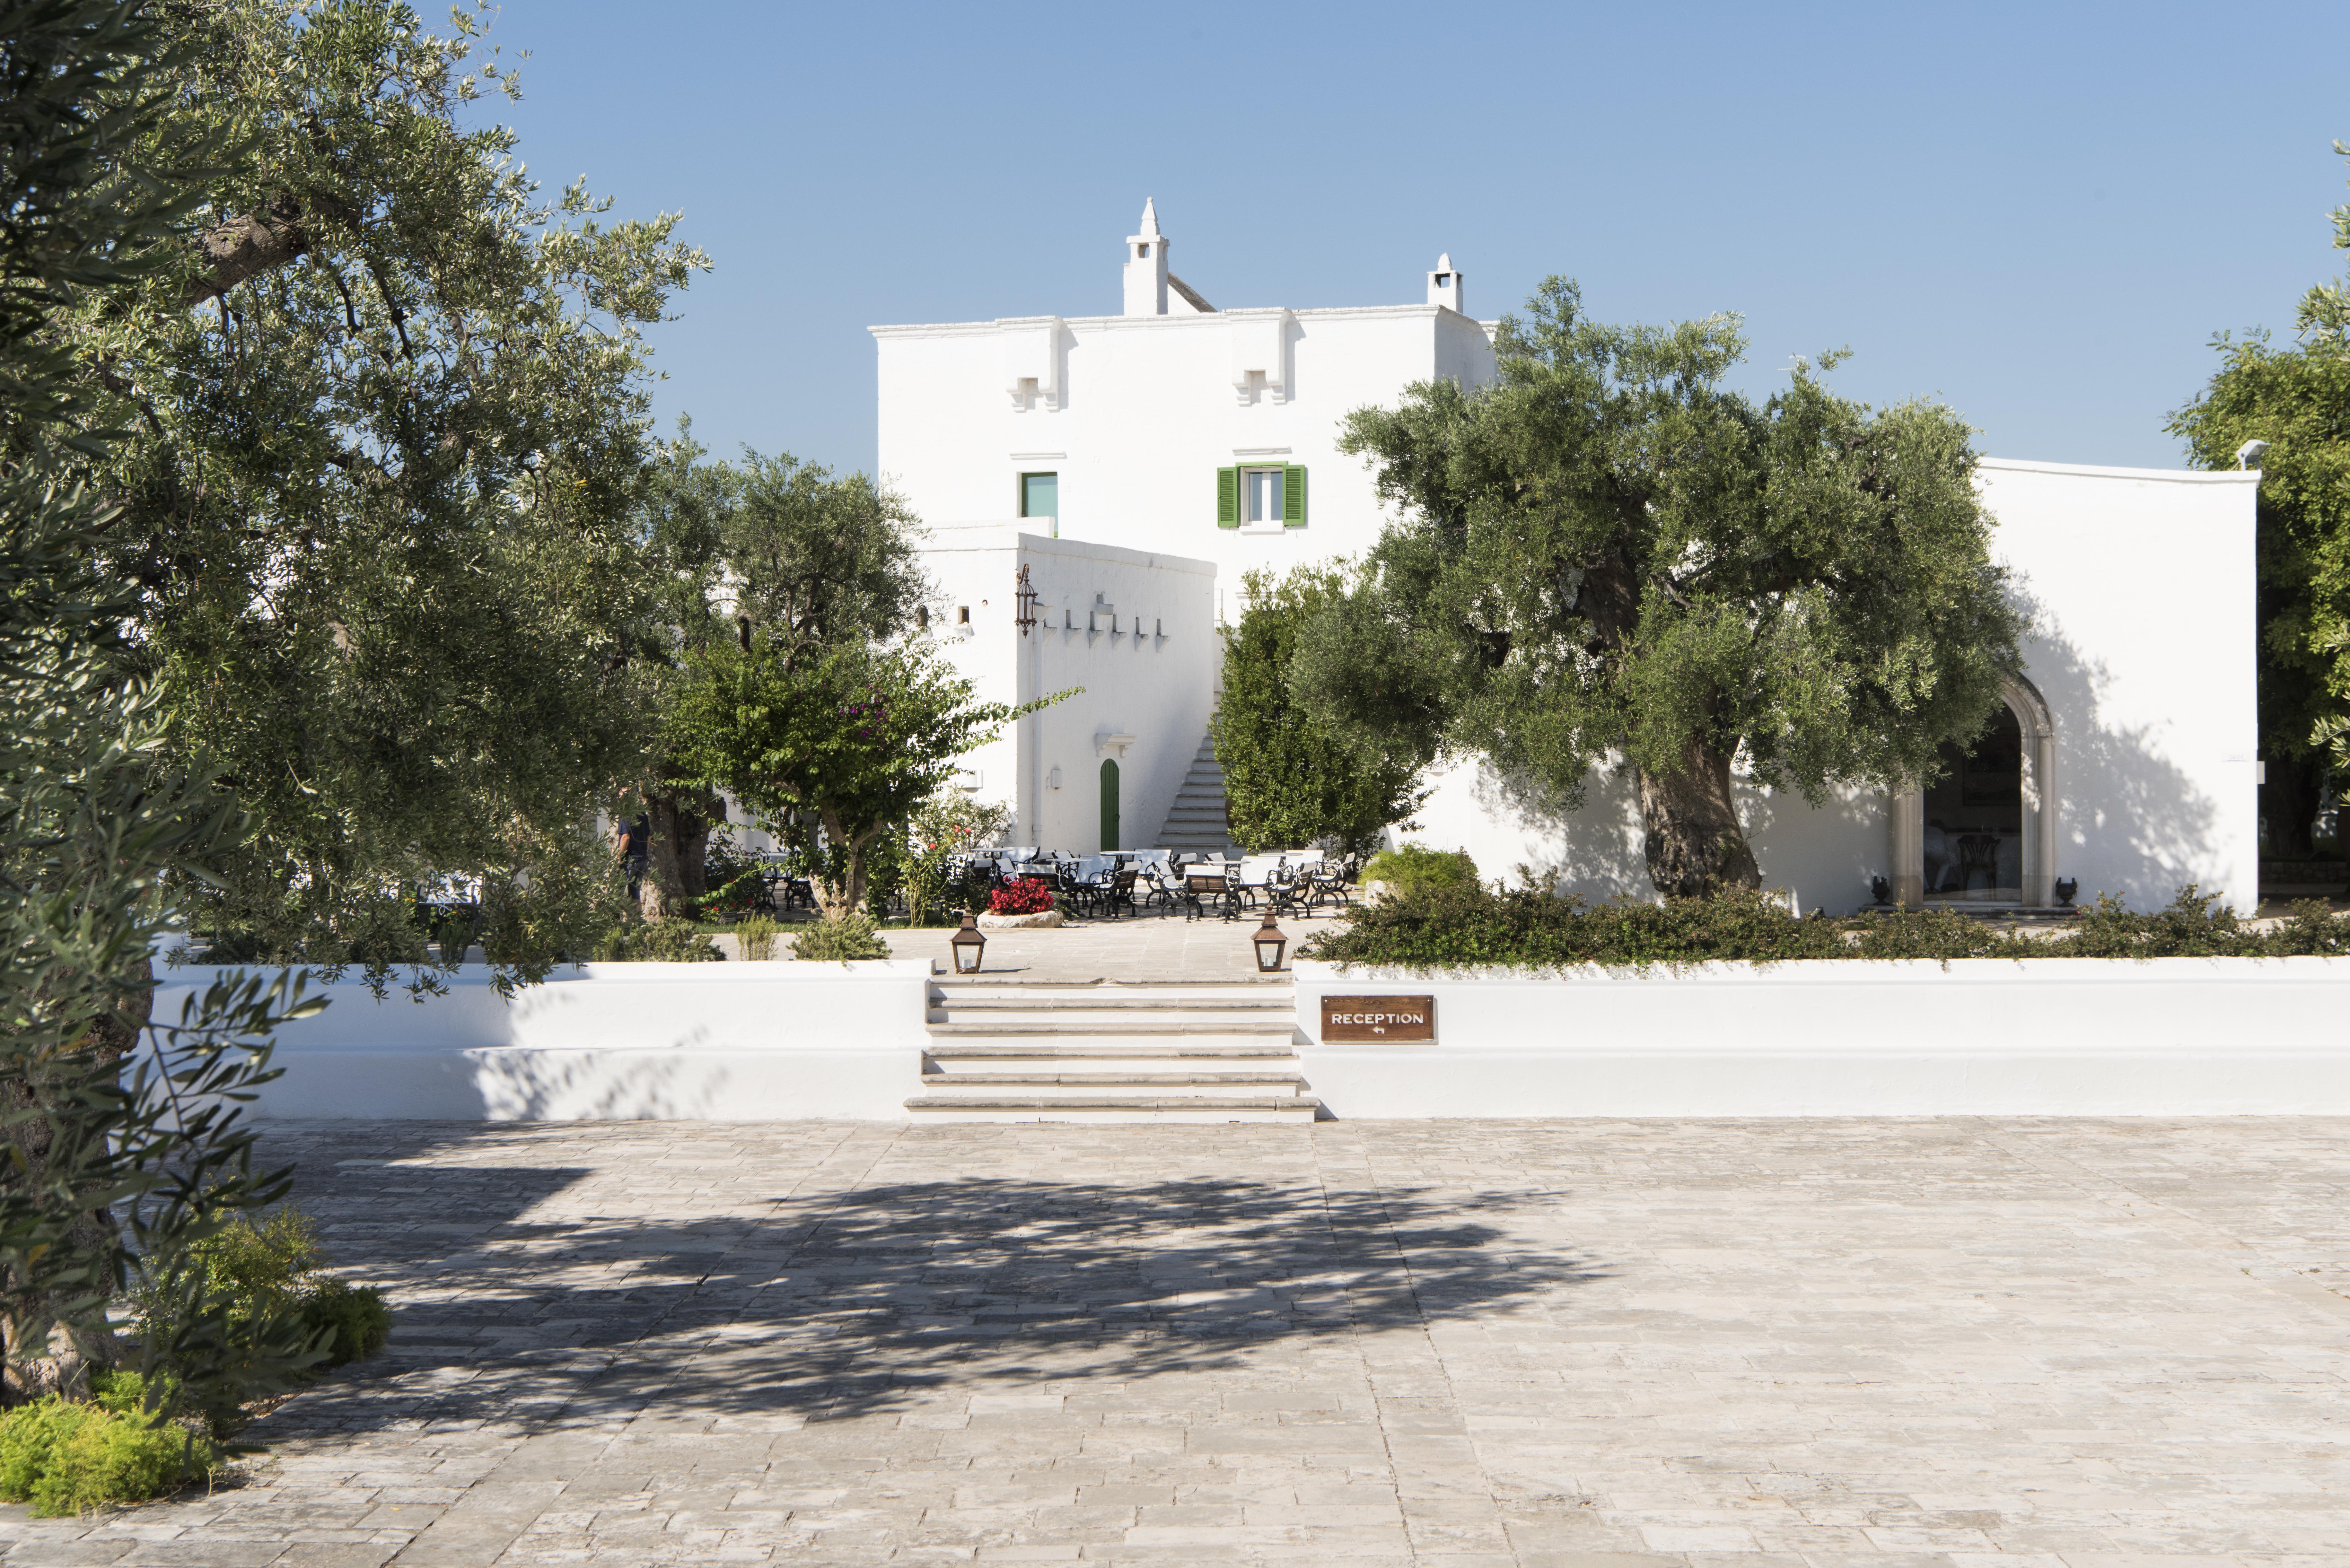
(43, 1352)
(676, 869)
(1694, 841)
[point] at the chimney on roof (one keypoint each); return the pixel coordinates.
(1444, 285)
(1145, 267)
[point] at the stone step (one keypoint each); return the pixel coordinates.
(1110, 1032)
(1029, 1057)
(1058, 1005)
(1080, 1085)
(1054, 1023)
(1112, 1108)
(1268, 991)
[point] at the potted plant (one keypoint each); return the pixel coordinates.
(1024, 901)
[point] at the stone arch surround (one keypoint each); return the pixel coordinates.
(1907, 850)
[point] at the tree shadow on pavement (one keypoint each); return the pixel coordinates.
(856, 1301)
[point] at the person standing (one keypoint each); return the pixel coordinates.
(632, 842)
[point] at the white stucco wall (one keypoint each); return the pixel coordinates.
(2139, 586)
(609, 1041)
(2104, 1037)
(1148, 412)
(1153, 677)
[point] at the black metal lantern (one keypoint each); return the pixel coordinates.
(968, 945)
(1270, 945)
(1024, 595)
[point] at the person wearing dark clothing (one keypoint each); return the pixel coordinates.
(632, 842)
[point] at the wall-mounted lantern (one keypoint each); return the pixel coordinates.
(1024, 595)
(968, 945)
(1270, 944)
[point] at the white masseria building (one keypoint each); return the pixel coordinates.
(1134, 465)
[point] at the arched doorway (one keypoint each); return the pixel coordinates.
(1109, 805)
(1985, 831)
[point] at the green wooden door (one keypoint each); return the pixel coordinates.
(1109, 803)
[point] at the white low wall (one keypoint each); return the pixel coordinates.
(733, 1042)
(1978, 1037)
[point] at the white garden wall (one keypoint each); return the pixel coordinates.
(1976, 1037)
(733, 1042)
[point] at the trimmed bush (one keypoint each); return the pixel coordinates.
(657, 942)
(1469, 927)
(349, 1322)
(756, 936)
(264, 1276)
(837, 942)
(67, 1457)
(1414, 868)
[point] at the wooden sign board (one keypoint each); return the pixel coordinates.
(1379, 1020)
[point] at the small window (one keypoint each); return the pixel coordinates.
(923, 616)
(1142, 252)
(1040, 496)
(963, 615)
(1261, 490)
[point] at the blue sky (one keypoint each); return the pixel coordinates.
(2039, 215)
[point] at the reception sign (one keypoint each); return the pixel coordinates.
(1379, 1020)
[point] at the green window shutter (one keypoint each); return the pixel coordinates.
(1228, 498)
(1292, 496)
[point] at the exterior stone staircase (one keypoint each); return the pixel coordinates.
(1195, 822)
(1004, 1051)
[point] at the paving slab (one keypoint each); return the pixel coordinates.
(1949, 1343)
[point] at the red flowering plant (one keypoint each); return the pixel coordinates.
(1022, 895)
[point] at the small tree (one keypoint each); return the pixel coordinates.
(1291, 778)
(856, 737)
(1608, 552)
(773, 546)
(951, 822)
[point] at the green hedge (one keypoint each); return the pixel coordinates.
(1468, 926)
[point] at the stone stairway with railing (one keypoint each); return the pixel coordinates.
(1195, 822)
(1035, 1051)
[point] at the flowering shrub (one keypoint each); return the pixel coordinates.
(1027, 895)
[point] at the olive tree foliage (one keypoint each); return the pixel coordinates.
(1607, 551)
(387, 429)
(768, 550)
(2297, 399)
(1291, 778)
(108, 1155)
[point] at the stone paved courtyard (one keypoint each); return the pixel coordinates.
(1587, 1344)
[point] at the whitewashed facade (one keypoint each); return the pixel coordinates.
(1182, 445)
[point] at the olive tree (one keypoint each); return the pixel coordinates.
(2296, 398)
(112, 1155)
(1610, 552)
(1290, 778)
(386, 417)
(772, 549)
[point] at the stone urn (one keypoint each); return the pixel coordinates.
(1020, 923)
